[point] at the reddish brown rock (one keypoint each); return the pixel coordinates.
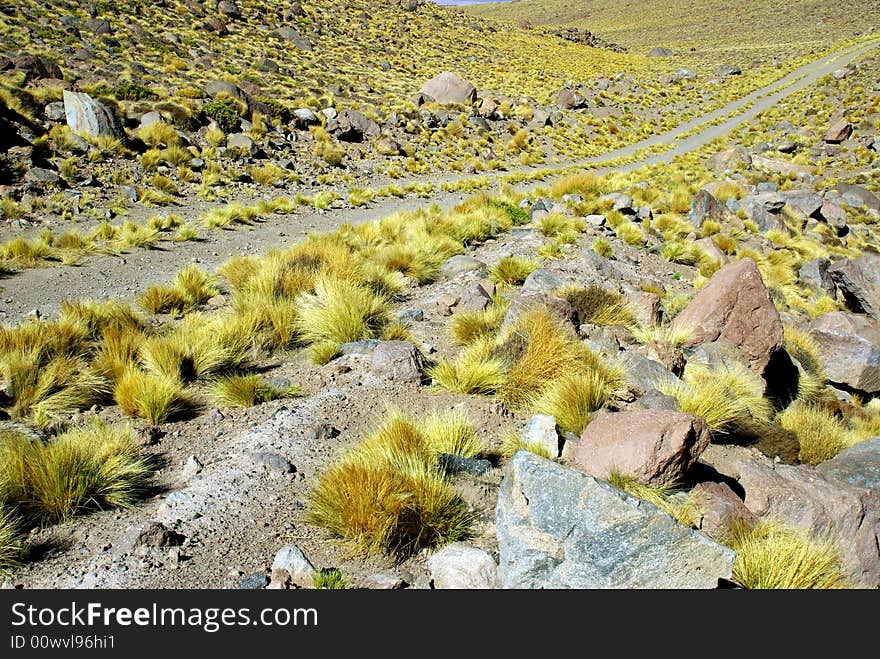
(655, 447)
(720, 510)
(802, 497)
(735, 306)
(838, 132)
(849, 346)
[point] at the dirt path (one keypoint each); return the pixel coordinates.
(123, 276)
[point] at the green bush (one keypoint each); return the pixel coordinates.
(130, 91)
(225, 112)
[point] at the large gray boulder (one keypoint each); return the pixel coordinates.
(858, 465)
(448, 89)
(762, 210)
(858, 280)
(87, 116)
(459, 264)
(560, 528)
(849, 346)
(706, 207)
(294, 36)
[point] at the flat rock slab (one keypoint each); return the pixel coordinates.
(560, 528)
(858, 465)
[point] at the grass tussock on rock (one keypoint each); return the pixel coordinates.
(388, 493)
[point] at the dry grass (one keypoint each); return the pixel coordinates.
(597, 305)
(573, 398)
(247, 391)
(512, 443)
(659, 495)
(821, 433)
(802, 347)
(772, 556)
(81, 469)
(469, 326)
(451, 432)
(538, 349)
(340, 311)
(387, 495)
(723, 396)
(11, 543)
(512, 270)
(156, 398)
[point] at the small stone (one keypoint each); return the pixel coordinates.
(541, 431)
(255, 581)
(291, 559)
(382, 581)
(191, 468)
(461, 566)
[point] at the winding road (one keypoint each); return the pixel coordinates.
(124, 275)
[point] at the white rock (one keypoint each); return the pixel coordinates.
(460, 566)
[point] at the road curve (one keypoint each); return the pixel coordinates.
(123, 276)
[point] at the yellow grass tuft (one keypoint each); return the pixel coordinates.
(773, 556)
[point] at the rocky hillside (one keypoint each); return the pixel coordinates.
(705, 28)
(657, 370)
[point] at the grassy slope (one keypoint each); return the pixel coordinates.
(351, 42)
(768, 26)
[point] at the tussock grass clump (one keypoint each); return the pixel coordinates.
(452, 433)
(197, 349)
(821, 433)
(340, 311)
(512, 270)
(539, 349)
(723, 396)
(598, 305)
(84, 468)
(156, 398)
(323, 352)
(573, 398)
(469, 326)
(45, 388)
(473, 371)
(512, 443)
(802, 347)
(247, 391)
(387, 494)
(191, 288)
(11, 544)
(670, 335)
(773, 556)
